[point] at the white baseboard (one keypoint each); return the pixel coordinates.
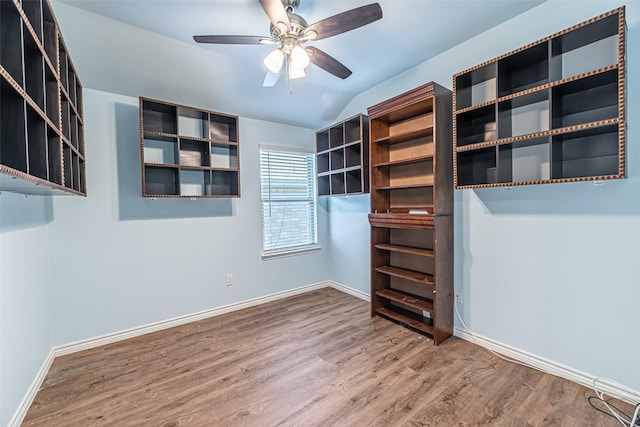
(20, 413)
(65, 349)
(350, 291)
(181, 320)
(549, 366)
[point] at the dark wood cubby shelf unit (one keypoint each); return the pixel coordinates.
(411, 209)
(188, 152)
(552, 111)
(342, 157)
(41, 119)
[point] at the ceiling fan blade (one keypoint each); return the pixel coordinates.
(270, 79)
(232, 39)
(328, 63)
(276, 13)
(346, 21)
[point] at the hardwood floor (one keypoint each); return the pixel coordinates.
(315, 359)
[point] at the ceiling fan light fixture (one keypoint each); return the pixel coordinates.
(299, 57)
(273, 61)
(295, 73)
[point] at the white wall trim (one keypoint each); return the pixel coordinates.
(181, 320)
(20, 413)
(549, 366)
(350, 291)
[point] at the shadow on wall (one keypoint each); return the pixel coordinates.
(611, 197)
(19, 212)
(132, 206)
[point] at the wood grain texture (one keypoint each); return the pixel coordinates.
(316, 359)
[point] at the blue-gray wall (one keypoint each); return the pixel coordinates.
(548, 269)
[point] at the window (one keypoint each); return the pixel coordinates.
(287, 183)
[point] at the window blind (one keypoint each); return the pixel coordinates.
(287, 181)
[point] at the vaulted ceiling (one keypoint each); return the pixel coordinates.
(145, 47)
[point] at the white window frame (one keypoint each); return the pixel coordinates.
(284, 251)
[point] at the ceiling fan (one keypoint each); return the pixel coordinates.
(290, 31)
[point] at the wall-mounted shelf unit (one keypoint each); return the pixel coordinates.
(412, 211)
(188, 152)
(41, 119)
(551, 111)
(342, 157)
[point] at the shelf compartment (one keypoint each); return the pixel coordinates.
(223, 128)
(336, 136)
(524, 161)
(336, 159)
(353, 181)
(524, 70)
(405, 249)
(586, 153)
(160, 149)
(62, 55)
(405, 161)
(592, 99)
(322, 162)
(33, 70)
(324, 185)
(13, 138)
(338, 183)
(402, 273)
(192, 123)
(408, 175)
(402, 200)
(75, 172)
(409, 300)
(52, 99)
(405, 136)
(476, 167)
(33, 10)
(67, 163)
(224, 184)
(37, 137)
(159, 117)
(54, 153)
(50, 34)
(524, 115)
(194, 153)
(585, 49)
(405, 317)
(224, 156)
(11, 36)
(194, 182)
(476, 126)
(353, 130)
(322, 141)
(160, 181)
(476, 87)
(352, 155)
(65, 118)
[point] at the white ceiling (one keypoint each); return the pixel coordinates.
(228, 78)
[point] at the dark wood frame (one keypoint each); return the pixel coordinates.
(552, 88)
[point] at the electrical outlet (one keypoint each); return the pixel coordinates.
(229, 279)
(458, 297)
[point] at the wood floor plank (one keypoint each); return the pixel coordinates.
(315, 359)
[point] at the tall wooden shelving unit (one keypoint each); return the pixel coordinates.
(412, 210)
(41, 119)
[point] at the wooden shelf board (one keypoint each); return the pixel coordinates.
(406, 320)
(404, 187)
(406, 299)
(414, 276)
(405, 136)
(404, 161)
(163, 165)
(405, 249)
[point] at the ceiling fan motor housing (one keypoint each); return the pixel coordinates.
(298, 25)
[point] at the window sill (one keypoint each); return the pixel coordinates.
(290, 252)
